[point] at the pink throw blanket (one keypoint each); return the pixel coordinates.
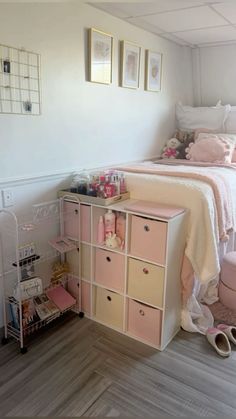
(217, 182)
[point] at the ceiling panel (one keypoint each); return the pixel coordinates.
(176, 39)
(186, 19)
(210, 35)
(141, 23)
(228, 10)
(146, 8)
(112, 9)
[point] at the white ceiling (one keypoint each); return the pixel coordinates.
(186, 22)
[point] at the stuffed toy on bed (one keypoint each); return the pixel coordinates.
(170, 150)
(175, 148)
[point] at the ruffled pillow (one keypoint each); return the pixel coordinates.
(214, 149)
(231, 138)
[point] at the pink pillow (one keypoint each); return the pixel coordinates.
(212, 150)
(234, 156)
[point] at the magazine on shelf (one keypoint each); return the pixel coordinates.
(29, 314)
(45, 307)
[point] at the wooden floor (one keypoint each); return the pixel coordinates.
(80, 368)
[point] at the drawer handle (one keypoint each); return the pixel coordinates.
(145, 271)
(146, 228)
(108, 259)
(109, 298)
(141, 312)
(76, 211)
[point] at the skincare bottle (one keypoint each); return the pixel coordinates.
(110, 222)
(101, 233)
(122, 183)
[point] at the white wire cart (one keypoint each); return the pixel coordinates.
(38, 284)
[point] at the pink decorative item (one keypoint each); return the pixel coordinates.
(211, 149)
(227, 286)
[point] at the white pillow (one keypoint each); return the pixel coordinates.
(213, 118)
(230, 125)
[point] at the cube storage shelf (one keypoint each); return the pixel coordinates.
(135, 290)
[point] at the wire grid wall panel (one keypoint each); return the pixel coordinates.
(19, 81)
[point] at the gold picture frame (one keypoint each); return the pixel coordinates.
(153, 71)
(130, 65)
(100, 56)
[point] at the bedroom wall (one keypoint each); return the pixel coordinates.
(214, 74)
(85, 124)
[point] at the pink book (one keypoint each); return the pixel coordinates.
(61, 298)
(155, 209)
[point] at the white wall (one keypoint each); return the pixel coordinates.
(215, 74)
(85, 124)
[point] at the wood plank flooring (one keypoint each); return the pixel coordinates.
(80, 368)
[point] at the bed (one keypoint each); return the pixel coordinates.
(209, 193)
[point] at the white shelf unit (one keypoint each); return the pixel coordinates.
(16, 234)
(92, 290)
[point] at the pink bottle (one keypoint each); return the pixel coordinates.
(101, 231)
(110, 222)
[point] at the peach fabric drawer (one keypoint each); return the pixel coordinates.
(110, 269)
(73, 260)
(109, 307)
(148, 239)
(71, 221)
(144, 322)
(146, 282)
(85, 297)
(86, 266)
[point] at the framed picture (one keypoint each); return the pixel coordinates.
(101, 51)
(130, 64)
(153, 71)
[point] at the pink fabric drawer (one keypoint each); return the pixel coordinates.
(227, 296)
(148, 239)
(71, 221)
(144, 322)
(85, 297)
(110, 269)
(85, 223)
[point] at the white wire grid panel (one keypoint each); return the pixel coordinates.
(19, 81)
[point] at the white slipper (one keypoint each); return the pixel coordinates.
(230, 332)
(219, 341)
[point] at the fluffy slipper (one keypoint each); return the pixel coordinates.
(219, 341)
(230, 332)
